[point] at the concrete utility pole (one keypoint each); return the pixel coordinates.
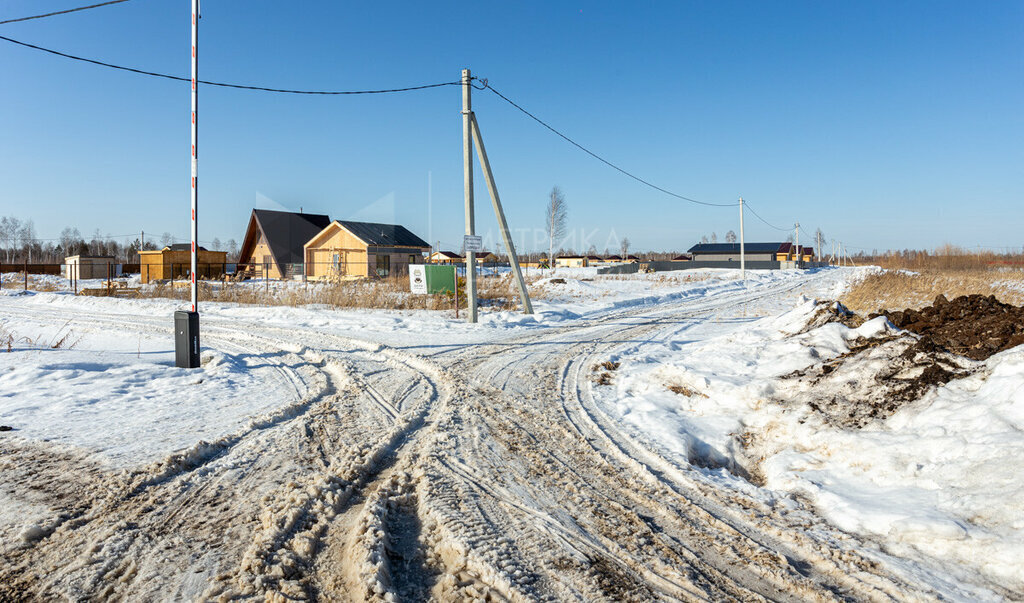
(467, 175)
(743, 257)
(524, 296)
(817, 236)
(797, 250)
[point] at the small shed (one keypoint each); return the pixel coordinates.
(346, 249)
(175, 261)
(90, 266)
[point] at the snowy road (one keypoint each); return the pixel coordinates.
(454, 470)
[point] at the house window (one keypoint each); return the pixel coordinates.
(336, 262)
(383, 265)
(412, 259)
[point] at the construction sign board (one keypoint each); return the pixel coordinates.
(431, 278)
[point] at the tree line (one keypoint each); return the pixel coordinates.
(18, 243)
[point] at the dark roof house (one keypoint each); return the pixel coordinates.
(279, 235)
(382, 235)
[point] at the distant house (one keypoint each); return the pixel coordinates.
(683, 258)
(571, 261)
(613, 259)
(446, 257)
(487, 257)
(788, 252)
(175, 261)
(730, 252)
(345, 249)
(274, 242)
(89, 266)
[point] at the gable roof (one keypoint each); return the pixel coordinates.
(447, 254)
(382, 235)
(735, 248)
(183, 247)
(285, 232)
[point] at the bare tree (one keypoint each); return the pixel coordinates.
(27, 237)
(624, 246)
(68, 237)
(166, 239)
(714, 238)
(10, 227)
(704, 239)
(216, 244)
(233, 250)
(730, 237)
(555, 220)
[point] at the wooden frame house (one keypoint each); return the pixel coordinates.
(346, 249)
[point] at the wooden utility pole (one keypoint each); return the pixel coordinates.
(467, 175)
(492, 188)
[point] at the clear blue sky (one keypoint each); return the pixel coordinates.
(887, 124)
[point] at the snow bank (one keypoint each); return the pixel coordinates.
(939, 480)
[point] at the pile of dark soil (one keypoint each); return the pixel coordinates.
(974, 326)
(938, 344)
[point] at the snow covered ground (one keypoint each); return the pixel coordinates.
(494, 457)
(939, 479)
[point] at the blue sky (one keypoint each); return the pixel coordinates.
(886, 124)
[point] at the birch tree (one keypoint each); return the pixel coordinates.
(555, 221)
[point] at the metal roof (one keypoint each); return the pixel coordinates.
(382, 235)
(286, 232)
(735, 248)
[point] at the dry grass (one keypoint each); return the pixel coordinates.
(389, 293)
(946, 257)
(64, 339)
(898, 290)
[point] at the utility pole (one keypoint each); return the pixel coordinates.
(142, 243)
(817, 235)
(467, 175)
(798, 254)
(743, 257)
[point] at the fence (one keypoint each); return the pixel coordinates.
(661, 266)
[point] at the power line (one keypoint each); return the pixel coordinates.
(596, 156)
(62, 12)
(758, 216)
(221, 84)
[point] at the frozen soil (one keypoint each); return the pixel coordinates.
(482, 472)
(928, 348)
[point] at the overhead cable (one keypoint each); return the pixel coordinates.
(62, 12)
(221, 84)
(595, 155)
(758, 216)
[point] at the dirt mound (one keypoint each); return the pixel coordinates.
(938, 344)
(974, 326)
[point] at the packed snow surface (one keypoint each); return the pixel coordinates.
(638, 437)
